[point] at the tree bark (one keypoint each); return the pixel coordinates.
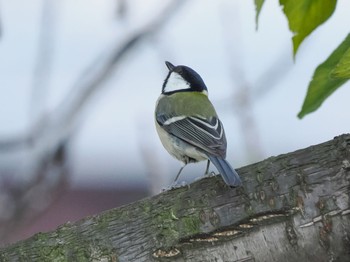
(293, 207)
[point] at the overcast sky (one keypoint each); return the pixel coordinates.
(218, 39)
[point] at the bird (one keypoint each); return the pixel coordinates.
(188, 125)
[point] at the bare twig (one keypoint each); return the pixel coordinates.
(242, 101)
(50, 135)
(0, 25)
(42, 70)
(272, 76)
(121, 8)
(64, 116)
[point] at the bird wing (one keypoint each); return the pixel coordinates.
(205, 133)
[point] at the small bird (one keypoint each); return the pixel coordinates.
(187, 123)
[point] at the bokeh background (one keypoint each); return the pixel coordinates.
(79, 80)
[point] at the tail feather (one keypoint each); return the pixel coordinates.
(229, 175)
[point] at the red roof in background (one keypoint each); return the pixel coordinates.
(76, 204)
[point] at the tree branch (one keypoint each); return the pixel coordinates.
(293, 207)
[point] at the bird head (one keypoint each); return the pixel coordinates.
(182, 79)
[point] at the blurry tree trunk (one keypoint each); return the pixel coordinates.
(293, 207)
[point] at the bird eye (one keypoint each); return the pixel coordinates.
(179, 70)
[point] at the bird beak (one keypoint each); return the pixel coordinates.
(169, 65)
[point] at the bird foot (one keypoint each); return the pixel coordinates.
(210, 174)
(175, 185)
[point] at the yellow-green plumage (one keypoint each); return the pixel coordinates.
(187, 103)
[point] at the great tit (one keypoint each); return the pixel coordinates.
(187, 123)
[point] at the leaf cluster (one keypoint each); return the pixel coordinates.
(304, 16)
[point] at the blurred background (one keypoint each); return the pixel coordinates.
(79, 80)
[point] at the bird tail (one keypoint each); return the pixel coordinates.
(229, 175)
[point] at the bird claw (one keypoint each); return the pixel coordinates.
(210, 174)
(175, 185)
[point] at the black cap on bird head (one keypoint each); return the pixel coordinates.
(182, 79)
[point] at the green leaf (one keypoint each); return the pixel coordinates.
(323, 83)
(258, 6)
(306, 15)
(342, 69)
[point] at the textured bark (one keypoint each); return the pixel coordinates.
(293, 207)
